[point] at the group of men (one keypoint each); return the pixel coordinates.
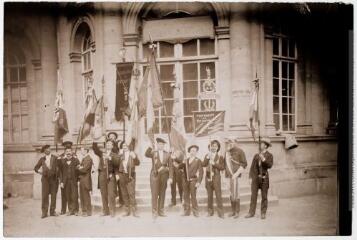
(117, 177)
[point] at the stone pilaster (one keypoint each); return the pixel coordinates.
(49, 71)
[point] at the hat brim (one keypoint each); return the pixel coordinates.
(44, 148)
(160, 140)
(266, 143)
(116, 135)
(192, 146)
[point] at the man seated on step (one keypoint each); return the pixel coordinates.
(192, 167)
(160, 176)
(125, 171)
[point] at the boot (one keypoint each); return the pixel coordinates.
(237, 203)
(233, 204)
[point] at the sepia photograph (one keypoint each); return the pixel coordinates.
(177, 119)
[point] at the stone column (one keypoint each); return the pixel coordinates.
(241, 73)
(224, 73)
(49, 70)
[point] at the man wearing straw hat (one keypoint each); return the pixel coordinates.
(214, 164)
(192, 167)
(259, 176)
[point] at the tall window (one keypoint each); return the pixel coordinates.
(193, 66)
(87, 70)
(284, 82)
(16, 115)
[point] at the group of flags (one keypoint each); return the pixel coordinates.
(143, 100)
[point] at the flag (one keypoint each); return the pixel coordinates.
(207, 123)
(98, 129)
(253, 112)
(124, 73)
(177, 140)
(60, 117)
(150, 83)
(150, 118)
(133, 125)
(89, 115)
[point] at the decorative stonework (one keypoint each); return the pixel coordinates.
(131, 39)
(36, 64)
(222, 32)
(75, 57)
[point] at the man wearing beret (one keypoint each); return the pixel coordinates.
(160, 176)
(85, 181)
(193, 174)
(66, 144)
(49, 171)
(259, 176)
(69, 181)
(214, 164)
(235, 163)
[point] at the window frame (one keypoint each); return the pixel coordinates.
(178, 60)
(280, 59)
(87, 52)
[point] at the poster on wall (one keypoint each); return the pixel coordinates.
(207, 123)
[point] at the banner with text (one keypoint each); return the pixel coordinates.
(207, 123)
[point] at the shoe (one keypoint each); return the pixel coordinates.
(69, 214)
(63, 213)
(162, 215)
(196, 215)
(221, 216)
(209, 214)
(172, 205)
(54, 214)
(76, 214)
(104, 214)
(236, 216)
(263, 216)
(121, 205)
(126, 214)
(44, 216)
(185, 214)
(232, 214)
(135, 214)
(249, 215)
(84, 215)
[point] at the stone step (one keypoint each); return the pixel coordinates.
(146, 207)
(146, 185)
(147, 192)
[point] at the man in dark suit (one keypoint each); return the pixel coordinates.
(191, 167)
(107, 181)
(113, 136)
(160, 176)
(69, 181)
(49, 171)
(177, 158)
(66, 144)
(214, 164)
(85, 182)
(125, 171)
(259, 176)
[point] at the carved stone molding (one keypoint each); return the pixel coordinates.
(131, 39)
(75, 57)
(222, 32)
(36, 64)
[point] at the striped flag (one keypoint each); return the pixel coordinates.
(89, 115)
(60, 117)
(207, 123)
(133, 115)
(253, 112)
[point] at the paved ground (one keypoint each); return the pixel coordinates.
(310, 215)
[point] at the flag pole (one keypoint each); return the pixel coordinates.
(256, 82)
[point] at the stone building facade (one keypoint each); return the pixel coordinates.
(78, 44)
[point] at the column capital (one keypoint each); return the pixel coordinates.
(222, 32)
(131, 39)
(75, 57)
(36, 64)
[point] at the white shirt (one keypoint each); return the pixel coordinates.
(126, 159)
(47, 160)
(161, 155)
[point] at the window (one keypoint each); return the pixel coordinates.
(284, 82)
(192, 65)
(16, 114)
(87, 58)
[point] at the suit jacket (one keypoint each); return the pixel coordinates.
(267, 164)
(157, 162)
(69, 172)
(51, 171)
(193, 168)
(238, 160)
(85, 172)
(217, 166)
(130, 167)
(105, 165)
